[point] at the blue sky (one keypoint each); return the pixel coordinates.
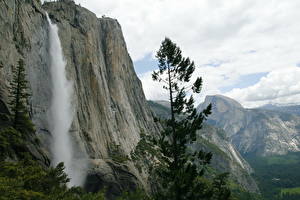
(248, 50)
(244, 81)
(145, 65)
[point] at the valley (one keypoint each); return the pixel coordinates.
(277, 176)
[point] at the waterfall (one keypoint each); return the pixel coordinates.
(61, 111)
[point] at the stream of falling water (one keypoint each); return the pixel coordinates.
(61, 110)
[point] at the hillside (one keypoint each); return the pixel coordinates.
(225, 157)
(268, 138)
(258, 131)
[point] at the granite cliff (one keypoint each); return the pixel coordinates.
(255, 131)
(110, 106)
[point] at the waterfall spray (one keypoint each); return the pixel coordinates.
(61, 111)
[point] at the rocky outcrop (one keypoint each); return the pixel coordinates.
(113, 176)
(110, 107)
(257, 131)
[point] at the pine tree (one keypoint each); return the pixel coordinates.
(18, 100)
(181, 174)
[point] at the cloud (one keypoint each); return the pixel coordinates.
(279, 86)
(237, 37)
(153, 90)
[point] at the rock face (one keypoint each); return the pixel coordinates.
(258, 131)
(110, 106)
(24, 34)
(225, 157)
(109, 99)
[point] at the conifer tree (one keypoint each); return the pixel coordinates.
(181, 174)
(18, 99)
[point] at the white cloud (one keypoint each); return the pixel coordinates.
(246, 36)
(153, 90)
(279, 86)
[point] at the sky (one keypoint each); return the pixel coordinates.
(248, 50)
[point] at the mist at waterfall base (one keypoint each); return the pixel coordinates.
(61, 113)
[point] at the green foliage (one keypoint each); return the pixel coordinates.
(24, 178)
(179, 171)
(277, 175)
(145, 154)
(289, 196)
(18, 100)
(11, 143)
(27, 179)
(116, 154)
(220, 188)
(295, 190)
(135, 195)
(238, 193)
(212, 147)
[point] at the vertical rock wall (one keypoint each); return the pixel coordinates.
(111, 109)
(24, 34)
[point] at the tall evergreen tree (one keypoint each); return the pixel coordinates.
(19, 98)
(181, 173)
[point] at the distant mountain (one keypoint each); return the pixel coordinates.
(259, 131)
(225, 157)
(163, 103)
(294, 109)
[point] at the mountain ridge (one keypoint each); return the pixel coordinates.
(293, 109)
(264, 132)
